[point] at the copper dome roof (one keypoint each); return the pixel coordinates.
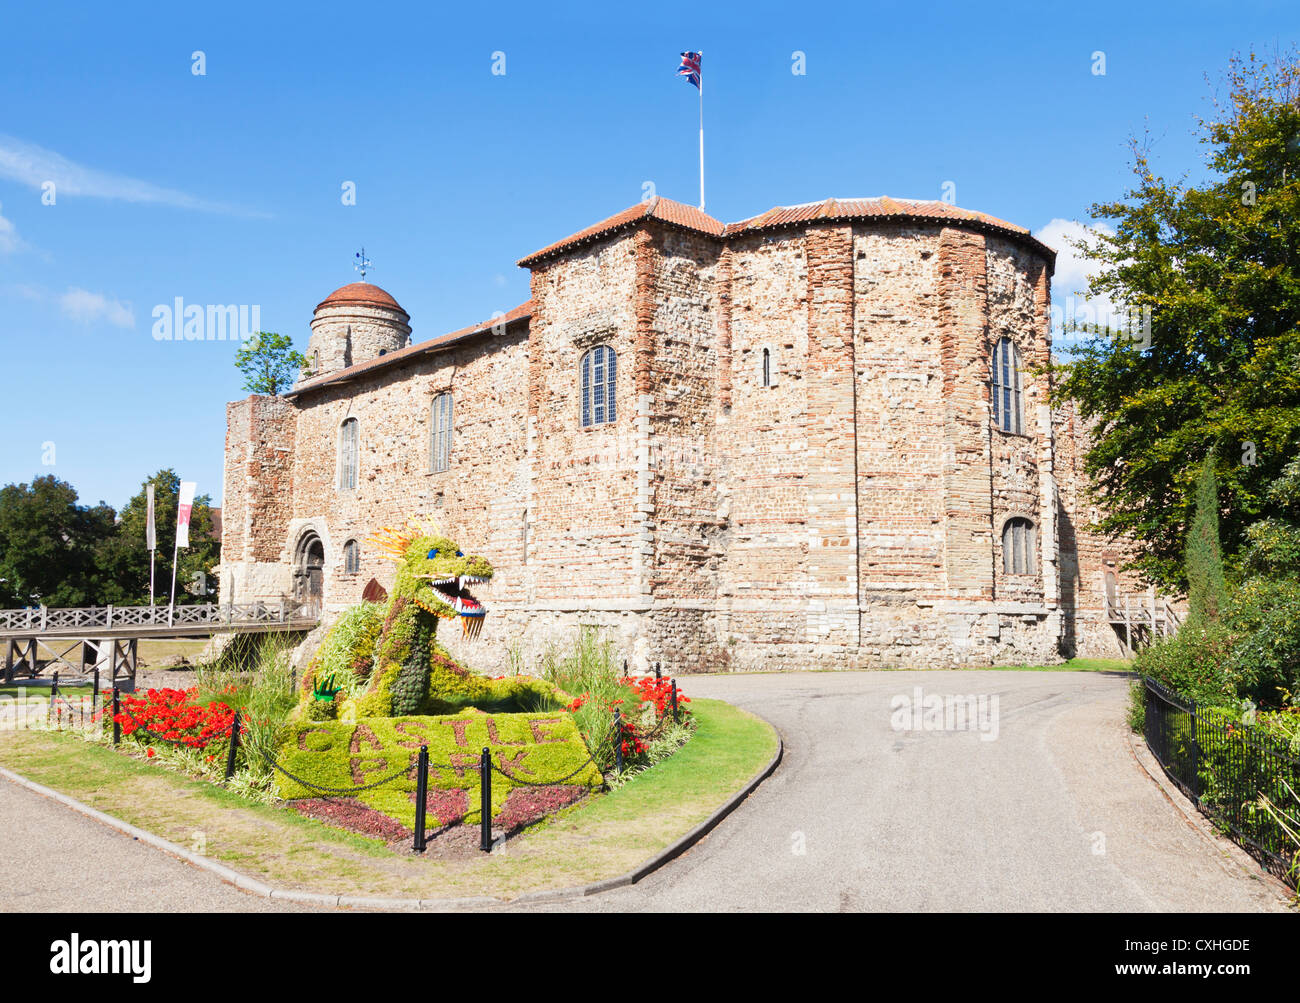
(364, 293)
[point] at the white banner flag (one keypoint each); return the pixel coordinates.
(184, 506)
(150, 541)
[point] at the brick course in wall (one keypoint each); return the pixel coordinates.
(840, 507)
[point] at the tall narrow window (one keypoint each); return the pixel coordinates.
(440, 434)
(351, 558)
(1006, 386)
(767, 367)
(349, 441)
(599, 369)
(1018, 547)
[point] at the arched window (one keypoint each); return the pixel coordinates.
(351, 558)
(1006, 386)
(767, 367)
(440, 433)
(599, 368)
(349, 443)
(1018, 547)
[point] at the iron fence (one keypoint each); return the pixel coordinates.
(1226, 766)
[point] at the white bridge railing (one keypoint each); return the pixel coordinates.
(45, 620)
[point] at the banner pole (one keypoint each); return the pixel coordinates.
(171, 605)
(151, 541)
(701, 130)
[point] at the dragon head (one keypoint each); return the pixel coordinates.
(435, 574)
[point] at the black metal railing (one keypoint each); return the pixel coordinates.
(1226, 765)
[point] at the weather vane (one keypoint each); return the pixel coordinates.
(362, 263)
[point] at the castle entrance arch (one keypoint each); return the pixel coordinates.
(309, 572)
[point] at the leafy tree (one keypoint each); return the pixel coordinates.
(1273, 544)
(125, 558)
(1218, 370)
(269, 363)
(1265, 610)
(1206, 590)
(48, 543)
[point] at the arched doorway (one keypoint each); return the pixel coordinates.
(309, 573)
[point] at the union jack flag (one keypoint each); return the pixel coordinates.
(690, 68)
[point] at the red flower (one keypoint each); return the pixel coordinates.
(149, 752)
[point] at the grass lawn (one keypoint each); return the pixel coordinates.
(604, 837)
(43, 692)
(153, 650)
(1073, 665)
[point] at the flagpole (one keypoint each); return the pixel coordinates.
(151, 541)
(171, 605)
(701, 130)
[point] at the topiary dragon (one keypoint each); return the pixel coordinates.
(409, 673)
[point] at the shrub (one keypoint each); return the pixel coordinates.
(1194, 662)
(591, 670)
(348, 652)
(1264, 615)
(1137, 706)
(257, 681)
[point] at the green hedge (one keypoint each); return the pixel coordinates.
(539, 747)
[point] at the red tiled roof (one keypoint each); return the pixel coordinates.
(665, 210)
(867, 208)
(690, 218)
(522, 312)
(675, 214)
(360, 292)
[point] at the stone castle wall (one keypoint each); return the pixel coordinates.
(343, 334)
(847, 514)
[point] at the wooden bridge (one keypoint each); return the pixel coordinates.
(108, 636)
(1142, 618)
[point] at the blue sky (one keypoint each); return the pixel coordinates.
(225, 187)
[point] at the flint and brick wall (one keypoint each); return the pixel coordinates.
(258, 491)
(848, 514)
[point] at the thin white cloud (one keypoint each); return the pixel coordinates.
(1073, 271)
(36, 166)
(86, 307)
(9, 240)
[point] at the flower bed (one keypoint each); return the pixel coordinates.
(170, 715)
(645, 709)
(542, 759)
(527, 749)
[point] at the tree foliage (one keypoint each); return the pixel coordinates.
(57, 552)
(125, 559)
(269, 363)
(48, 544)
(1216, 265)
(1206, 589)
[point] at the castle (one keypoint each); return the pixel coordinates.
(817, 438)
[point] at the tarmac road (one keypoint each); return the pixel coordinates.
(1054, 813)
(72, 863)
